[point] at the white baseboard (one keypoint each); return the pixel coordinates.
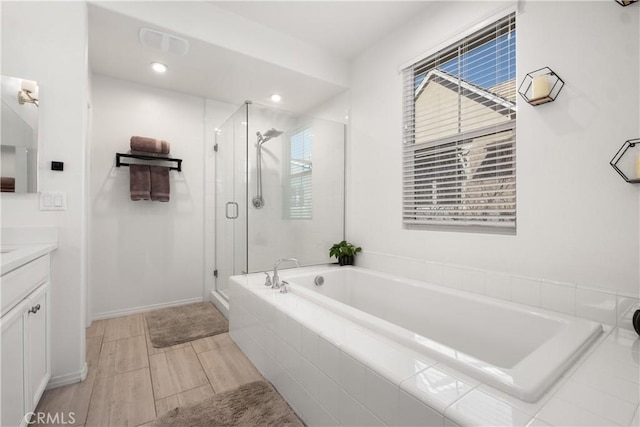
(142, 309)
(72, 378)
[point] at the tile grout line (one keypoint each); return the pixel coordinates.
(93, 385)
(147, 340)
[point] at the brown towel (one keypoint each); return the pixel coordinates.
(160, 187)
(140, 182)
(8, 184)
(149, 145)
(148, 154)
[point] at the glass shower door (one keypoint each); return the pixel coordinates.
(231, 199)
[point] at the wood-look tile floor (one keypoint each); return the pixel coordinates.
(130, 383)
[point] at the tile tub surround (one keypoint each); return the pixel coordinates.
(601, 305)
(332, 372)
(514, 348)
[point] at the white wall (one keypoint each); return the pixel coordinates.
(577, 220)
(51, 49)
(146, 253)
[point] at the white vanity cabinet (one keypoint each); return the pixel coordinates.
(25, 328)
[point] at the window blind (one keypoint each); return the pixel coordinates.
(300, 203)
(459, 151)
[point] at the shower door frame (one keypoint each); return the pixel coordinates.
(220, 294)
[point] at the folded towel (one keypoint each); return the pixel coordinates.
(7, 184)
(160, 186)
(140, 182)
(148, 154)
(149, 145)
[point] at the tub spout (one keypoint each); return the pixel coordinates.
(276, 278)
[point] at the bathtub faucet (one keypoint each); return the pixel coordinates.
(276, 278)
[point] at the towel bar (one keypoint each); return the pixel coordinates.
(119, 162)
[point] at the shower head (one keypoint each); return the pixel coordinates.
(271, 133)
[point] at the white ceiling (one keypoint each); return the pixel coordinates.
(344, 28)
(211, 71)
(207, 70)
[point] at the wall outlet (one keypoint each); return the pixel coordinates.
(53, 201)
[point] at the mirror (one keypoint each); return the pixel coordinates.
(19, 136)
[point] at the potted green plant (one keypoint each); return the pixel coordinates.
(345, 252)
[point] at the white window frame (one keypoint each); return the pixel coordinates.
(421, 207)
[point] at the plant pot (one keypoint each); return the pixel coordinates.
(345, 260)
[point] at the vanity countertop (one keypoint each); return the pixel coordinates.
(14, 256)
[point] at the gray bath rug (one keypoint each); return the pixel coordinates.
(175, 325)
(253, 404)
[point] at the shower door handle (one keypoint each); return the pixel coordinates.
(235, 210)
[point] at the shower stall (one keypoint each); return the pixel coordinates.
(279, 191)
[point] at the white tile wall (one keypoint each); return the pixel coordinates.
(328, 358)
(598, 306)
(567, 298)
(352, 376)
(412, 412)
(381, 397)
(625, 308)
(560, 297)
(498, 285)
(525, 290)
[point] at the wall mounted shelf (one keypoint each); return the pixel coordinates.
(627, 161)
(540, 86)
(119, 162)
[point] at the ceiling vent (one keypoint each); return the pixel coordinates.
(167, 43)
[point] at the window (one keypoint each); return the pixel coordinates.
(459, 164)
(299, 203)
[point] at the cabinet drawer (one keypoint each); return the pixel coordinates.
(20, 282)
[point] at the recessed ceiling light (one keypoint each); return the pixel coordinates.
(276, 98)
(159, 67)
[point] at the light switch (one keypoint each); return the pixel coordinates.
(53, 201)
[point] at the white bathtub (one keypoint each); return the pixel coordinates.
(517, 349)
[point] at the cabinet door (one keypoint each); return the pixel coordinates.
(38, 367)
(13, 366)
